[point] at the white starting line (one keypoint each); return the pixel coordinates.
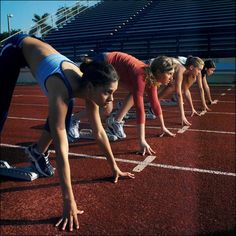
(145, 163)
(215, 101)
(181, 131)
(203, 113)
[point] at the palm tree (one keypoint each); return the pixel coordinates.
(40, 24)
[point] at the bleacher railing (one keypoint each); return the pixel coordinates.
(55, 20)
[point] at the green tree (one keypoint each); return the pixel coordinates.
(40, 24)
(5, 35)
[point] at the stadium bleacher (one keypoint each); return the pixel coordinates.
(145, 29)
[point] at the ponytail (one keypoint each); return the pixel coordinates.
(97, 73)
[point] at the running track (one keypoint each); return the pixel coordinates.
(187, 188)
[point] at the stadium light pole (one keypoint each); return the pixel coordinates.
(8, 23)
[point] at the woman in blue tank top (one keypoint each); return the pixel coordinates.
(61, 80)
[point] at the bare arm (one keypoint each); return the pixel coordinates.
(189, 99)
(178, 89)
(102, 140)
(207, 89)
(58, 106)
(202, 95)
(156, 107)
(140, 119)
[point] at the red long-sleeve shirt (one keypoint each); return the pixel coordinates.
(132, 75)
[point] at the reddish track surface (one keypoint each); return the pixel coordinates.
(188, 189)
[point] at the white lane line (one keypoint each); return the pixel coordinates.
(223, 94)
(39, 105)
(163, 166)
(206, 171)
(202, 113)
(24, 95)
(140, 167)
(215, 101)
(211, 131)
(147, 127)
(182, 130)
(194, 130)
(209, 113)
(25, 118)
(228, 89)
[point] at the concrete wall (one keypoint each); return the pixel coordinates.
(225, 72)
(26, 77)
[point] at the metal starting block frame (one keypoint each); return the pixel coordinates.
(86, 134)
(131, 114)
(25, 173)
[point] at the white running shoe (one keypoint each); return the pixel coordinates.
(116, 127)
(112, 137)
(73, 132)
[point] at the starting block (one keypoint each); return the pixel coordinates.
(168, 102)
(86, 134)
(131, 114)
(26, 173)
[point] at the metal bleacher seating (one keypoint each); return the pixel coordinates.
(92, 27)
(145, 29)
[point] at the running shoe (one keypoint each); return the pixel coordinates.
(73, 132)
(150, 114)
(40, 161)
(116, 127)
(112, 137)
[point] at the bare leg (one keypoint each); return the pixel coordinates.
(127, 104)
(166, 92)
(44, 142)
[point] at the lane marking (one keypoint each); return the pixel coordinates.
(25, 118)
(211, 131)
(39, 105)
(211, 112)
(194, 130)
(228, 89)
(140, 167)
(203, 113)
(163, 166)
(181, 131)
(215, 101)
(223, 94)
(147, 127)
(24, 95)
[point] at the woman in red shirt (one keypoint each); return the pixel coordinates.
(139, 78)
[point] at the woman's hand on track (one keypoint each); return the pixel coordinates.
(118, 173)
(69, 217)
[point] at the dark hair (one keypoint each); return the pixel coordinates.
(207, 65)
(98, 73)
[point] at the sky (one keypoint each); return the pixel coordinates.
(23, 11)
